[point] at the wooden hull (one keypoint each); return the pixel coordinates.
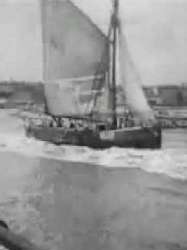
(137, 137)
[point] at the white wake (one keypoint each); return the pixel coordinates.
(168, 161)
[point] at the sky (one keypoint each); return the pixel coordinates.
(155, 30)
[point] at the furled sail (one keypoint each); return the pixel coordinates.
(73, 50)
(131, 83)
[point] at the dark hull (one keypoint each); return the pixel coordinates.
(137, 137)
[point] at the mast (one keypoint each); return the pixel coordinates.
(115, 23)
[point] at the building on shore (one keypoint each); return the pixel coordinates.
(167, 95)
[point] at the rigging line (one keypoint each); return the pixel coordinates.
(95, 81)
(98, 70)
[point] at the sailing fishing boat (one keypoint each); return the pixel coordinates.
(83, 73)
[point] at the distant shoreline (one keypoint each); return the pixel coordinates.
(30, 96)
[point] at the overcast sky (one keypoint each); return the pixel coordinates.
(156, 34)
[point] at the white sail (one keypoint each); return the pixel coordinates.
(131, 83)
(71, 97)
(62, 99)
(74, 47)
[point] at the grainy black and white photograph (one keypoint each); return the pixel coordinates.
(93, 124)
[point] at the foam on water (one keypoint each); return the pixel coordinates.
(171, 161)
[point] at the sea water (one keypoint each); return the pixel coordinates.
(170, 160)
(65, 197)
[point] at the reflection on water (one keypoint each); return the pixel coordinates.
(105, 201)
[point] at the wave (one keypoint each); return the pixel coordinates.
(168, 161)
(171, 162)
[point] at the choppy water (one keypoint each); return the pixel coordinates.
(170, 160)
(78, 198)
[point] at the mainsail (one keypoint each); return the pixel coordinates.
(72, 97)
(74, 48)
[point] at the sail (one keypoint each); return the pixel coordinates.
(71, 97)
(73, 48)
(131, 83)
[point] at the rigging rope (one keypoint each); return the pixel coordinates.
(103, 68)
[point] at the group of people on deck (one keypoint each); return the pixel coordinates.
(69, 123)
(126, 121)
